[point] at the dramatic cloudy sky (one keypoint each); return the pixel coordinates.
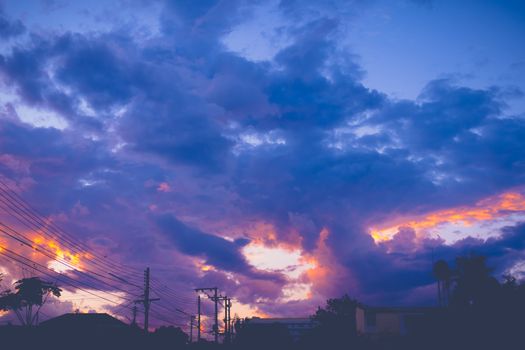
(284, 151)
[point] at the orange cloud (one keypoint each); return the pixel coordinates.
(487, 209)
(265, 234)
(49, 252)
(64, 256)
(202, 266)
(245, 310)
(269, 252)
(326, 273)
(320, 271)
(309, 273)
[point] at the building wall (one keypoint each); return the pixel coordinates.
(389, 323)
(360, 320)
(296, 326)
(378, 321)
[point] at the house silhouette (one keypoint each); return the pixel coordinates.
(84, 322)
(89, 331)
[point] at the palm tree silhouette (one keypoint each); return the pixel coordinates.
(443, 274)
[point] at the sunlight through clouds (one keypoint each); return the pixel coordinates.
(289, 262)
(485, 218)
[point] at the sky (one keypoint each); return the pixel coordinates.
(284, 151)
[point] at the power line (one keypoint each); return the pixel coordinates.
(24, 220)
(42, 250)
(169, 290)
(159, 316)
(22, 210)
(11, 255)
(7, 193)
(94, 267)
(168, 298)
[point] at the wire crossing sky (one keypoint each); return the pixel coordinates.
(284, 151)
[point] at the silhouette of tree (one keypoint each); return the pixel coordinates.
(30, 292)
(512, 296)
(168, 337)
(262, 336)
(337, 310)
(443, 274)
(7, 299)
(483, 313)
(336, 324)
(475, 286)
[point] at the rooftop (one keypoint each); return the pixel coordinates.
(89, 320)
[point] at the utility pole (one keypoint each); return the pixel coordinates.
(147, 300)
(192, 319)
(199, 318)
(134, 315)
(215, 299)
(229, 337)
(216, 326)
(227, 319)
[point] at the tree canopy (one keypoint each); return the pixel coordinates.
(29, 292)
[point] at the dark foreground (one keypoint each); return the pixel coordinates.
(490, 330)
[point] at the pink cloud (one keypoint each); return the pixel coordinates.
(164, 187)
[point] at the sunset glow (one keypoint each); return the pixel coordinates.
(288, 261)
(203, 267)
(245, 310)
(491, 208)
(87, 301)
(65, 259)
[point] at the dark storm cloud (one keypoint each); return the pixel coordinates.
(445, 111)
(10, 27)
(195, 29)
(217, 251)
(92, 68)
(458, 137)
(51, 155)
(26, 69)
(503, 251)
(179, 129)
